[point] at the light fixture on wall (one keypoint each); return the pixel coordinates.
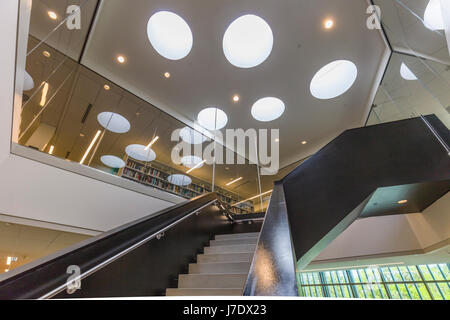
(44, 94)
(151, 143)
(234, 181)
(90, 146)
(198, 165)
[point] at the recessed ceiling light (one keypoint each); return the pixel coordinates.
(121, 59)
(277, 140)
(304, 142)
(328, 23)
(167, 75)
(28, 82)
(138, 152)
(169, 35)
(106, 87)
(406, 73)
(268, 109)
(113, 122)
(236, 98)
(433, 17)
(52, 15)
(402, 201)
(192, 136)
(212, 118)
(333, 79)
(179, 180)
(46, 54)
(112, 161)
(248, 41)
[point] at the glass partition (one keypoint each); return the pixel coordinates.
(73, 113)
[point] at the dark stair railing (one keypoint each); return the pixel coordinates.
(141, 258)
(364, 172)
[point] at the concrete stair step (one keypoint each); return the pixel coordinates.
(203, 281)
(234, 236)
(211, 268)
(225, 257)
(205, 292)
(213, 243)
(236, 248)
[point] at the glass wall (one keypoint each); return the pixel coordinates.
(422, 282)
(72, 113)
(417, 80)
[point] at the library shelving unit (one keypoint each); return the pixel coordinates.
(155, 175)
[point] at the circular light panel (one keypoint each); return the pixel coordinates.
(112, 161)
(179, 180)
(406, 73)
(191, 136)
(169, 35)
(432, 18)
(191, 161)
(268, 109)
(248, 41)
(113, 122)
(333, 79)
(212, 118)
(138, 152)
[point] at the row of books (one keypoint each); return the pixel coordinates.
(154, 177)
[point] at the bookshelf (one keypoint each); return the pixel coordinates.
(155, 175)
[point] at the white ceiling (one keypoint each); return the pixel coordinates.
(205, 77)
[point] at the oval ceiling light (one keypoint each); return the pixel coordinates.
(212, 118)
(112, 161)
(191, 136)
(406, 73)
(113, 122)
(248, 41)
(268, 109)
(28, 82)
(432, 18)
(191, 161)
(169, 35)
(139, 152)
(179, 180)
(333, 79)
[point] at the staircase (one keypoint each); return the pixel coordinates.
(221, 270)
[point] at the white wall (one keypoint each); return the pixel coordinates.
(388, 236)
(35, 191)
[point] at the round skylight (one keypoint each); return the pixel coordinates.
(406, 73)
(191, 136)
(138, 152)
(113, 122)
(267, 109)
(191, 161)
(169, 35)
(212, 118)
(333, 79)
(112, 161)
(179, 179)
(28, 82)
(248, 41)
(432, 18)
